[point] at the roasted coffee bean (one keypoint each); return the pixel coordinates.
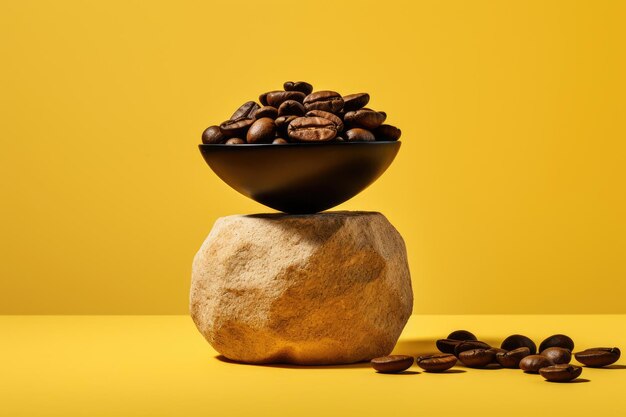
(533, 363)
(495, 351)
(557, 340)
(291, 108)
(469, 345)
(598, 357)
(561, 373)
(359, 135)
(301, 86)
(212, 135)
(339, 139)
(279, 141)
(392, 364)
(262, 131)
(245, 111)
(355, 101)
(436, 363)
(311, 129)
(364, 118)
(266, 111)
(282, 123)
(557, 355)
(326, 115)
(516, 341)
(276, 98)
(512, 358)
(329, 101)
(447, 345)
(477, 358)
(387, 132)
(263, 99)
(461, 335)
(236, 128)
(235, 141)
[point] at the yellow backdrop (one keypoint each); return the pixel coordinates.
(509, 187)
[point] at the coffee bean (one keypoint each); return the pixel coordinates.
(263, 99)
(357, 134)
(561, 373)
(329, 101)
(236, 128)
(266, 111)
(262, 131)
(495, 351)
(301, 86)
(279, 141)
(469, 345)
(516, 341)
(245, 111)
(533, 363)
(392, 364)
(291, 108)
(212, 135)
(355, 101)
(557, 340)
(447, 345)
(436, 363)
(282, 124)
(387, 132)
(598, 357)
(557, 355)
(461, 335)
(235, 141)
(365, 118)
(476, 358)
(276, 98)
(326, 115)
(512, 358)
(339, 139)
(311, 129)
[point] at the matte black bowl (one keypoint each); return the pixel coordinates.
(300, 177)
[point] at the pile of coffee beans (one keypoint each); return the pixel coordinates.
(298, 114)
(552, 360)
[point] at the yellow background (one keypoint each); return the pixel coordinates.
(509, 187)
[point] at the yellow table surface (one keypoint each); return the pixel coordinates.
(161, 366)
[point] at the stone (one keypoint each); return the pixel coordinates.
(321, 289)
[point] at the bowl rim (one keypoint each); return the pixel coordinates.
(295, 144)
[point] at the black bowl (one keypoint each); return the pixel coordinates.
(300, 177)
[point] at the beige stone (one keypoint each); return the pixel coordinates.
(327, 288)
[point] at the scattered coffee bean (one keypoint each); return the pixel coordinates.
(436, 363)
(359, 135)
(561, 373)
(598, 357)
(212, 135)
(245, 111)
(355, 101)
(263, 99)
(557, 340)
(266, 111)
(365, 118)
(495, 351)
(329, 101)
(279, 141)
(461, 335)
(392, 364)
(235, 141)
(469, 345)
(236, 128)
(387, 132)
(276, 98)
(533, 363)
(557, 355)
(477, 358)
(311, 129)
(516, 341)
(326, 115)
(291, 108)
(447, 345)
(512, 358)
(301, 86)
(262, 131)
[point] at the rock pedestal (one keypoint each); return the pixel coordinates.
(328, 288)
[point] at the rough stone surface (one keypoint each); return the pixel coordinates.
(327, 288)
